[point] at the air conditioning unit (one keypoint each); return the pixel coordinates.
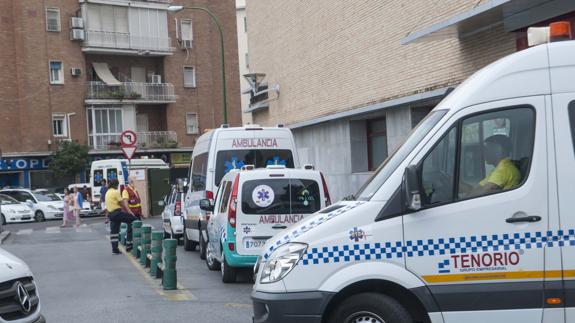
(76, 22)
(77, 34)
(156, 79)
(187, 43)
(76, 71)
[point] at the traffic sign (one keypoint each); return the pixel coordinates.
(128, 138)
(129, 152)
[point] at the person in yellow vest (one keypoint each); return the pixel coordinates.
(131, 195)
(118, 213)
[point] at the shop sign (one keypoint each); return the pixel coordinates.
(23, 164)
(181, 158)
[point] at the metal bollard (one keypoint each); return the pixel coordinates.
(145, 245)
(123, 232)
(156, 255)
(136, 237)
(169, 275)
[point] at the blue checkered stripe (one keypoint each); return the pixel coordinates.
(301, 229)
(441, 246)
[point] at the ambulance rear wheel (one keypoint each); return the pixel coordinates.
(228, 273)
(202, 246)
(370, 307)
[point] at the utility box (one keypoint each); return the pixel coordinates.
(158, 187)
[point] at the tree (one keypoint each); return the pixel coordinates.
(70, 159)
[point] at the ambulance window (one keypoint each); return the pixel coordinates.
(199, 172)
(111, 173)
(274, 157)
(496, 149)
(438, 171)
(305, 196)
(98, 177)
(234, 159)
(270, 196)
(226, 197)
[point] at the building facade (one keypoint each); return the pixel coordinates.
(243, 57)
(86, 70)
(357, 76)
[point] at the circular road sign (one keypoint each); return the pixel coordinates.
(128, 138)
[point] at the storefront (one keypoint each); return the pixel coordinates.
(30, 172)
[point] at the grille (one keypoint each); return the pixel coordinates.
(10, 308)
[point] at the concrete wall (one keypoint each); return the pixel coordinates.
(243, 63)
(331, 56)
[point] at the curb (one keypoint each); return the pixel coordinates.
(4, 235)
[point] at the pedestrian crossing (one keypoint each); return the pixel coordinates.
(56, 230)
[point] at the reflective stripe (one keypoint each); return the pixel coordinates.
(510, 275)
(134, 205)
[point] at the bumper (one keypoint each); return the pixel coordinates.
(304, 307)
(41, 319)
(239, 261)
(54, 215)
(19, 218)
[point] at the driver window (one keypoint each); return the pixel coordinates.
(438, 171)
(496, 151)
(225, 197)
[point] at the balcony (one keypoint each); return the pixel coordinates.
(130, 92)
(147, 140)
(105, 42)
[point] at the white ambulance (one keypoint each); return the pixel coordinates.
(216, 153)
(469, 221)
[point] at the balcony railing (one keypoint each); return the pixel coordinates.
(116, 40)
(132, 91)
(146, 140)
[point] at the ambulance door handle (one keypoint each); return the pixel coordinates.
(529, 218)
(279, 226)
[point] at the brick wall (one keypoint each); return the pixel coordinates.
(27, 100)
(333, 55)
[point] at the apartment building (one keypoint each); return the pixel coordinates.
(356, 76)
(86, 70)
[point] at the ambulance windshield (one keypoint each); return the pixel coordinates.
(392, 162)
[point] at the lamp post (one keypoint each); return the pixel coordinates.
(175, 9)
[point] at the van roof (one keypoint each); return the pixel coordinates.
(529, 67)
(269, 172)
(135, 162)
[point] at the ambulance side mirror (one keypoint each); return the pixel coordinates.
(206, 205)
(411, 188)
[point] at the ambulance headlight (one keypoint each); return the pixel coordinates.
(282, 261)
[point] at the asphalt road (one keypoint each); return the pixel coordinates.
(79, 280)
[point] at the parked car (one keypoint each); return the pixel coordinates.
(252, 206)
(221, 150)
(172, 216)
(14, 211)
(45, 205)
(18, 291)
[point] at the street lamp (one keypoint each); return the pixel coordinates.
(175, 9)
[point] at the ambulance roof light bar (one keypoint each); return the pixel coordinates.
(557, 31)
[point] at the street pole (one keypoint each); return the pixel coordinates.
(222, 59)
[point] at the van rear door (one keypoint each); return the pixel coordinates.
(270, 205)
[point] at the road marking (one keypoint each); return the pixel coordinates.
(53, 230)
(238, 305)
(24, 231)
(179, 295)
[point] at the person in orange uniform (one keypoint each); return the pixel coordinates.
(131, 195)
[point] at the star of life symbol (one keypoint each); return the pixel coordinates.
(357, 234)
(263, 196)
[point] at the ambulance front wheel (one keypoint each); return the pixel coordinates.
(370, 307)
(228, 273)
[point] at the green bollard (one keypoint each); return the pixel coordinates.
(136, 237)
(156, 249)
(123, 231)
(169, 275)
(145, 245)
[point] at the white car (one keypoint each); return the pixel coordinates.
(45, 205)
(173, 221)
(18, 292)
(14, 211)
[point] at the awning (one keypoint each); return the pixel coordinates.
(512, 14)
(104, 73)
(482, 17)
